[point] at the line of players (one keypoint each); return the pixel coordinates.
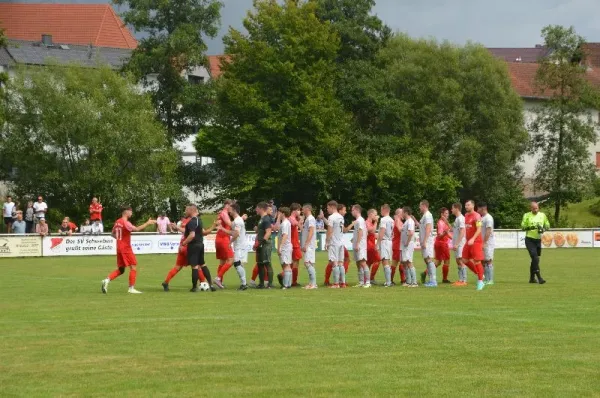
(387, 241)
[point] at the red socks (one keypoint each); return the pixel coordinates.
(132, 275)
(393, 272)
(255, 272)
(115, 274)
(374, 269)
(471, 266)
(445, 270)
(171, 274)
(201, 275)
(402, 276)
(294, 276)
(222, 270)
(346, 265)
(479, 269)
(328, 272)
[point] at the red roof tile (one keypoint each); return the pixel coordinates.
(83, 24)
(214, 63)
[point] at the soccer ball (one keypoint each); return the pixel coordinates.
(204, 286)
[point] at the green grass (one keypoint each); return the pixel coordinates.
(577, 215)
(61, 337)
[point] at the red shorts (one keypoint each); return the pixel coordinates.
(396, 255)
(224, 250)
(296, 254)
(125, 259)
(442, 251)
(373, 256)
(473, 252)
(182, 258)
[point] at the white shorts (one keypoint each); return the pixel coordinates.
(240, 255)
(408, 252)
(336, 253)
(286, 256)
(385, 250)
(309, 255)
(360, 254)
(488, 252)
(428, 251)
(459, 250)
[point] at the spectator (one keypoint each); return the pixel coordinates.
(42, 228)
(19, 226)
(40, 209)
(72, 225)
(273, 211)
(163, 224)
(320, 223)
(86, 227)
(97, 227)
(65, 228)
(7, 211)
(29, 216)
(96, 211)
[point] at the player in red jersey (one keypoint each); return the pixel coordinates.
(442, 243)
(342, 210)
(223, 244)
(373, 257)
(396, 252)
(473, 251)
(125, 257)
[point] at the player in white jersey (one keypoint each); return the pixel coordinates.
(284, 247)
(408, 247)
(426, 241)
(309, 245)
(386, 231)
(458, 243)
(335, 244)
(359, 245)
(489, 242)
(238, 241)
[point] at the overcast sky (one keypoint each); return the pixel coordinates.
(505, 23)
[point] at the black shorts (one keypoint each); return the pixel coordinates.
(264, 253)
(195, 254)
(8, 220)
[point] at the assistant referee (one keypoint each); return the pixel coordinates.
(535, 223)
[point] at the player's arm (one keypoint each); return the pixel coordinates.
(208, 230)
(410, 234)
(225, 220)
(488, 233)
(461, 233)
(358, 237)
(282, 241)
(398, 223)
(349, 227)
(143, 226)
(235, 233)
(329, 233)
(380, 235)
(427, 234)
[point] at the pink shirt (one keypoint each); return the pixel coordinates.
(163, 224)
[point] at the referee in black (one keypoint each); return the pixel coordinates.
(194, 240)
(263, 235)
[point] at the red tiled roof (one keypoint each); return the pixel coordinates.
(82, 24)
(214, 63)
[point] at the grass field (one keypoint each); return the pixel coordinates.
(61, 337)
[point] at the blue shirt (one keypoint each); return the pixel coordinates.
(19, 227)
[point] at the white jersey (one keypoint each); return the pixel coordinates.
(426, 219)
(459, 224)
(359, 225)
(409, 225)
(336, 223)
(240, 242)
(286, 229)
(487, 222)
(387, 223)
(310, 222)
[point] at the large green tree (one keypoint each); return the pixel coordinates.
(72, 133)
(563, 128)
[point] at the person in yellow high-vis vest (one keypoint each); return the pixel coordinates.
(535, 223)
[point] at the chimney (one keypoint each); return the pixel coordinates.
(47, 40)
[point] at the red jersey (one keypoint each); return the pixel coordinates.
(95, 212)
(183, 224)
(224, 219)
(72, 226)
(370, 236)
(295, 233)
(441, 228)
(122, 233)
(472, 222)
(396, 237)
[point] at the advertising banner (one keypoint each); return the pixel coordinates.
(20, 246)
(80, 245)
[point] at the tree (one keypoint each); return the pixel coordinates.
(3, 76)
(563, 129)
(73, 133)
(278, 129)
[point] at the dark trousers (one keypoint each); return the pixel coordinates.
(29, 227)
(534, 247)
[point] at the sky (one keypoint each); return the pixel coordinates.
(506, 23)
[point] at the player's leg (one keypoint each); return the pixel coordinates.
(394, 267)
(361, 276)
(445, 271)
(366, 274)
(113, 275)
(172, 272)
(295, 273)
(346, 261)
(240, 258)
(328, 271)
(374, 265)
(309, 263)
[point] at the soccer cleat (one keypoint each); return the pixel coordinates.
(431, 284)
(374, 282)
(195, 289)
(133, 291)
(310, 287)
(489, 283)
(165, 286)
(423, 276)
(243, 287)
(212, 288)
(280, 279)
(253, 284)
(542, 281)
(343, 285)
(414, 285)
(219, 283)
(260, 286)
(532, 280)
(406, 284)
(334, 286)
(105, 283)
(326, 284)
(386, 284)
(295, 285)
(446, 281)
(480, 285)
(283, 288)
(360, 285)
(459, 283)
(367, 285)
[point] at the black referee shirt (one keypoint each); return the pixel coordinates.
(195, 224)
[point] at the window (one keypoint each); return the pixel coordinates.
(195, 79)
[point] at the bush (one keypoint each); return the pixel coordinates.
(595, 208)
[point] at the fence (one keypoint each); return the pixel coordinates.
(151, 243)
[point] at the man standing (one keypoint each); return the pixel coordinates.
(125, 257)
(223, 244)
(163, 224)
(373, 257)
(40, 208)
(442, 239)
(7, 211)
(426, 241)
(408, 247)
(95, 211)
(294, 219)
(284, 248)
(240, 247)
(263, 235)
(309, 245)
(489, 243)
(194, 241)
(335, 244)
(473, 251)
(535, 223)
(396, 252)
(359, 243)
(386, 228)
(458, 243)
(342, 211)
(19, 226)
